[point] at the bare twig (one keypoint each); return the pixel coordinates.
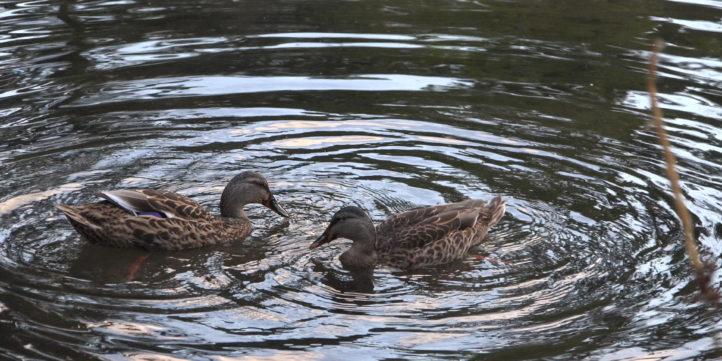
(703, 272)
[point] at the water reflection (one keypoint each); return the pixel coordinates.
(383, 106)
(25, 199)
(221, 85)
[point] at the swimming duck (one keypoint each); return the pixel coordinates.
(412, 239)
(163, 220)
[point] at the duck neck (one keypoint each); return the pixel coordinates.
(233, 199)
(234, 214)
(234, 229)
(362, 254)
(235, 220)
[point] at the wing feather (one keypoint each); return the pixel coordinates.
(131, 200)
(171, 204)
(429, 226)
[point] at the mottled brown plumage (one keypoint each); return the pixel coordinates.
(413, 239)
(158, 219)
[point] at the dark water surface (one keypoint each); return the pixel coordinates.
(387, 105)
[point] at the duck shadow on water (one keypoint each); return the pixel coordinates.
(431, 277)
(345, 281)
(110, 265)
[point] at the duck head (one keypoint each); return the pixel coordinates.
(349, 222)
(248, 187)
(352, 223)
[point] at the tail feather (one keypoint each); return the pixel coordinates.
(75, 216)
(496, 207)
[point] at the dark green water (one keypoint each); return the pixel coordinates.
(385, 105)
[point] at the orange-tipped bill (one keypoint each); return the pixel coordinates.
(274, 206)
(321, 240)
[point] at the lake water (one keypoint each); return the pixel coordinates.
(383, 105)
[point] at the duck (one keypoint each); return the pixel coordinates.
(164, 220)
(413, 239)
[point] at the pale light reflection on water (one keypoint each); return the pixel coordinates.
(387, 107)
(215, 85)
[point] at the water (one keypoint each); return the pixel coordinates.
(384, 105)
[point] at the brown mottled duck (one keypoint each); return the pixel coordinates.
(163, 220)
(412, 239)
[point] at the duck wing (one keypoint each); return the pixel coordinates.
(420, 227)
(109, 225)
(416, 216)
(150, 201)
(436, 235)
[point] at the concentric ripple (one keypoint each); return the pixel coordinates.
(384, 106)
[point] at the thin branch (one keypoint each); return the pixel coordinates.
(704, 273)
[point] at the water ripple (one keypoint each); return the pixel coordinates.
(222, 85)
(360, 104)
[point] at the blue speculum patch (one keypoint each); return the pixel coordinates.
(154, 214)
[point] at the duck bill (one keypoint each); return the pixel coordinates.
(274, 206)
(321, 240)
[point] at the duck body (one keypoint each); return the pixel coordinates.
(164, 220)
(416, 238)
(436, 235)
